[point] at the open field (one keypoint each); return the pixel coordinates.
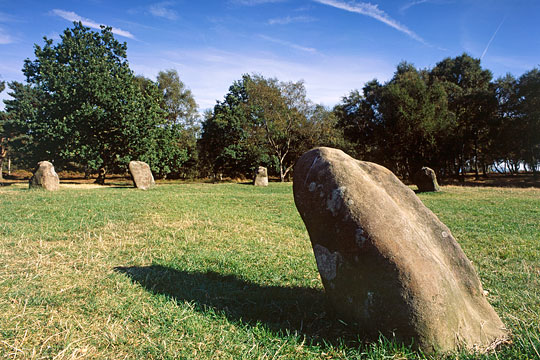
(222, 271)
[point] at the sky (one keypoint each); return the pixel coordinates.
(334, 46)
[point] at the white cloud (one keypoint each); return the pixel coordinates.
(5, 38)
(412, 3)
(71, 16)
(162, 10)
(210, 72)
(290, 19)
(288, 44)
(492, 38)
(255, 2)
(374, 12)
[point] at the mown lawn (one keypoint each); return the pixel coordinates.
(222, 271)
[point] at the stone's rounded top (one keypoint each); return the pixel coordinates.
(45, 177)
(141, 175)
(426, 180)
(261, 171)
(386, 261)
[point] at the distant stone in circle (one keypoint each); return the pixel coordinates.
(45, 177)
(426, 180)
(261, 177)
(141, 175)
(386, 261)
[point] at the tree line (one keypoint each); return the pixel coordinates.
(82, 107)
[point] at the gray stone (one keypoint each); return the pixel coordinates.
(141, 175)
(45, 177)
(261, 177)
(386, 261)
(426, 180)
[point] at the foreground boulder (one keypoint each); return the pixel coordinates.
(426, 180)
(261, 177)
(45, 177)
(141, 175)
(386, 261)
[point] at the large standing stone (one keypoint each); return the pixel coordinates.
(45, 177)
(141, 175)
(426, 180)
(386, 261)
(261, 177)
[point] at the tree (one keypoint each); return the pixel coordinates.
(229, 144)
(280, 108)
(471, 99)
(400, 124)
(16, 125)
(528, 93)
(92, 110)
(181, 113)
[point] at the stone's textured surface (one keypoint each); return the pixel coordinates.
(261, 177)
(426, 180)
(386, 261)
(45, 177)
(141, 174)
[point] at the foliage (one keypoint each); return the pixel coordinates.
(92, 111)
(529, 115)
(264, 122)
(230, 145)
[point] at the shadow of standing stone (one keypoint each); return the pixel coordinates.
(44, 177)
(141, 175)
(386, 261)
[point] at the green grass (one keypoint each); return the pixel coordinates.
(222, 271)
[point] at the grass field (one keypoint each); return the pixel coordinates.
(222, 271)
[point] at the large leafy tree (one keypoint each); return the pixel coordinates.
(92, 110)
(528, 94)
(16, 127)
(230, 145)
(280, 109)
(182, 117)
(472, 101)
(399, 124)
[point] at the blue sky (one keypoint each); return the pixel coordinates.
(335, 46)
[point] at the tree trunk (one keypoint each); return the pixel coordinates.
(9, 166)
(1, 168)
(101, 176)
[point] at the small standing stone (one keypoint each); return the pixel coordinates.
(386, 261)
(141, 175)
(45, 177)
(261, 177)
(426, 180)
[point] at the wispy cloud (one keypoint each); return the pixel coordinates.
(411, 4)
(290, 19)
(492, 38)
(71, 16)
(255, 2)
(374, 12)
(5, 38)
(289, 44)
(163, 10)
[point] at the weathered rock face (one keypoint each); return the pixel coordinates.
(261, 177)
(386, 261)
(45, 177)
(426, 180)
(141, 174)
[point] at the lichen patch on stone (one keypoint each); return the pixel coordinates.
(327, 262)
(335, 201)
